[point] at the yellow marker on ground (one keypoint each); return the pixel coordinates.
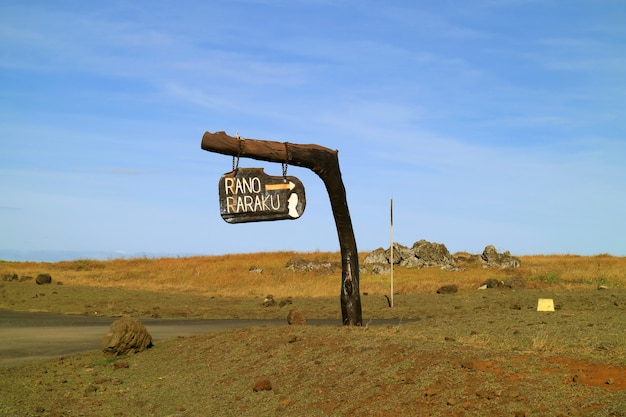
(545, 304)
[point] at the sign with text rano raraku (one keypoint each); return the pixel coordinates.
(250, 195)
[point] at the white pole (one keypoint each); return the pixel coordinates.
(391, 246)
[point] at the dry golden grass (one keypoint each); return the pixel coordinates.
(231, 275)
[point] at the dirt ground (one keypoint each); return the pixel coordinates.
(472, 353)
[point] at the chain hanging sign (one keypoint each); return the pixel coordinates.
(250, 195)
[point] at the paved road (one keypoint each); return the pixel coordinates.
(26, 336)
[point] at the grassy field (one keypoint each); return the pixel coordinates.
(230, 276)
(473, 353)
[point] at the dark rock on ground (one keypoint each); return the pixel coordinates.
(43, 279)
(120, 364)
(493, 283)
(10, 277)
(296, 317)
(515, 283)
(269, 301)
(448, 289)
(262, 385)
(287, 301)
(126, 336)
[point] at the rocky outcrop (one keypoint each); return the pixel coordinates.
(379, 269)
(422, 254)
(432, 254)
(300, 264)
(9, 277)
(377, 256)
(492, 259)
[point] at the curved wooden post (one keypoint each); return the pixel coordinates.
(325, 163)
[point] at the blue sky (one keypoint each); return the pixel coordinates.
(487, 121)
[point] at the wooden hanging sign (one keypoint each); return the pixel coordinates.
(250, 195)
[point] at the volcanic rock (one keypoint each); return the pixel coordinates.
(9, 277)
(432, 254)
(126, 336)
(300, 264)
(43, 279)
(515, 283)
(262, 385)
(448, 289)
(269, 301)
(296, 317)
(421, 255)
(492, 259)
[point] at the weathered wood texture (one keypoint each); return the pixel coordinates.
(325, 163)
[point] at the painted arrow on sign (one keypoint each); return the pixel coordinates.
(286, 186)
(250, 195)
